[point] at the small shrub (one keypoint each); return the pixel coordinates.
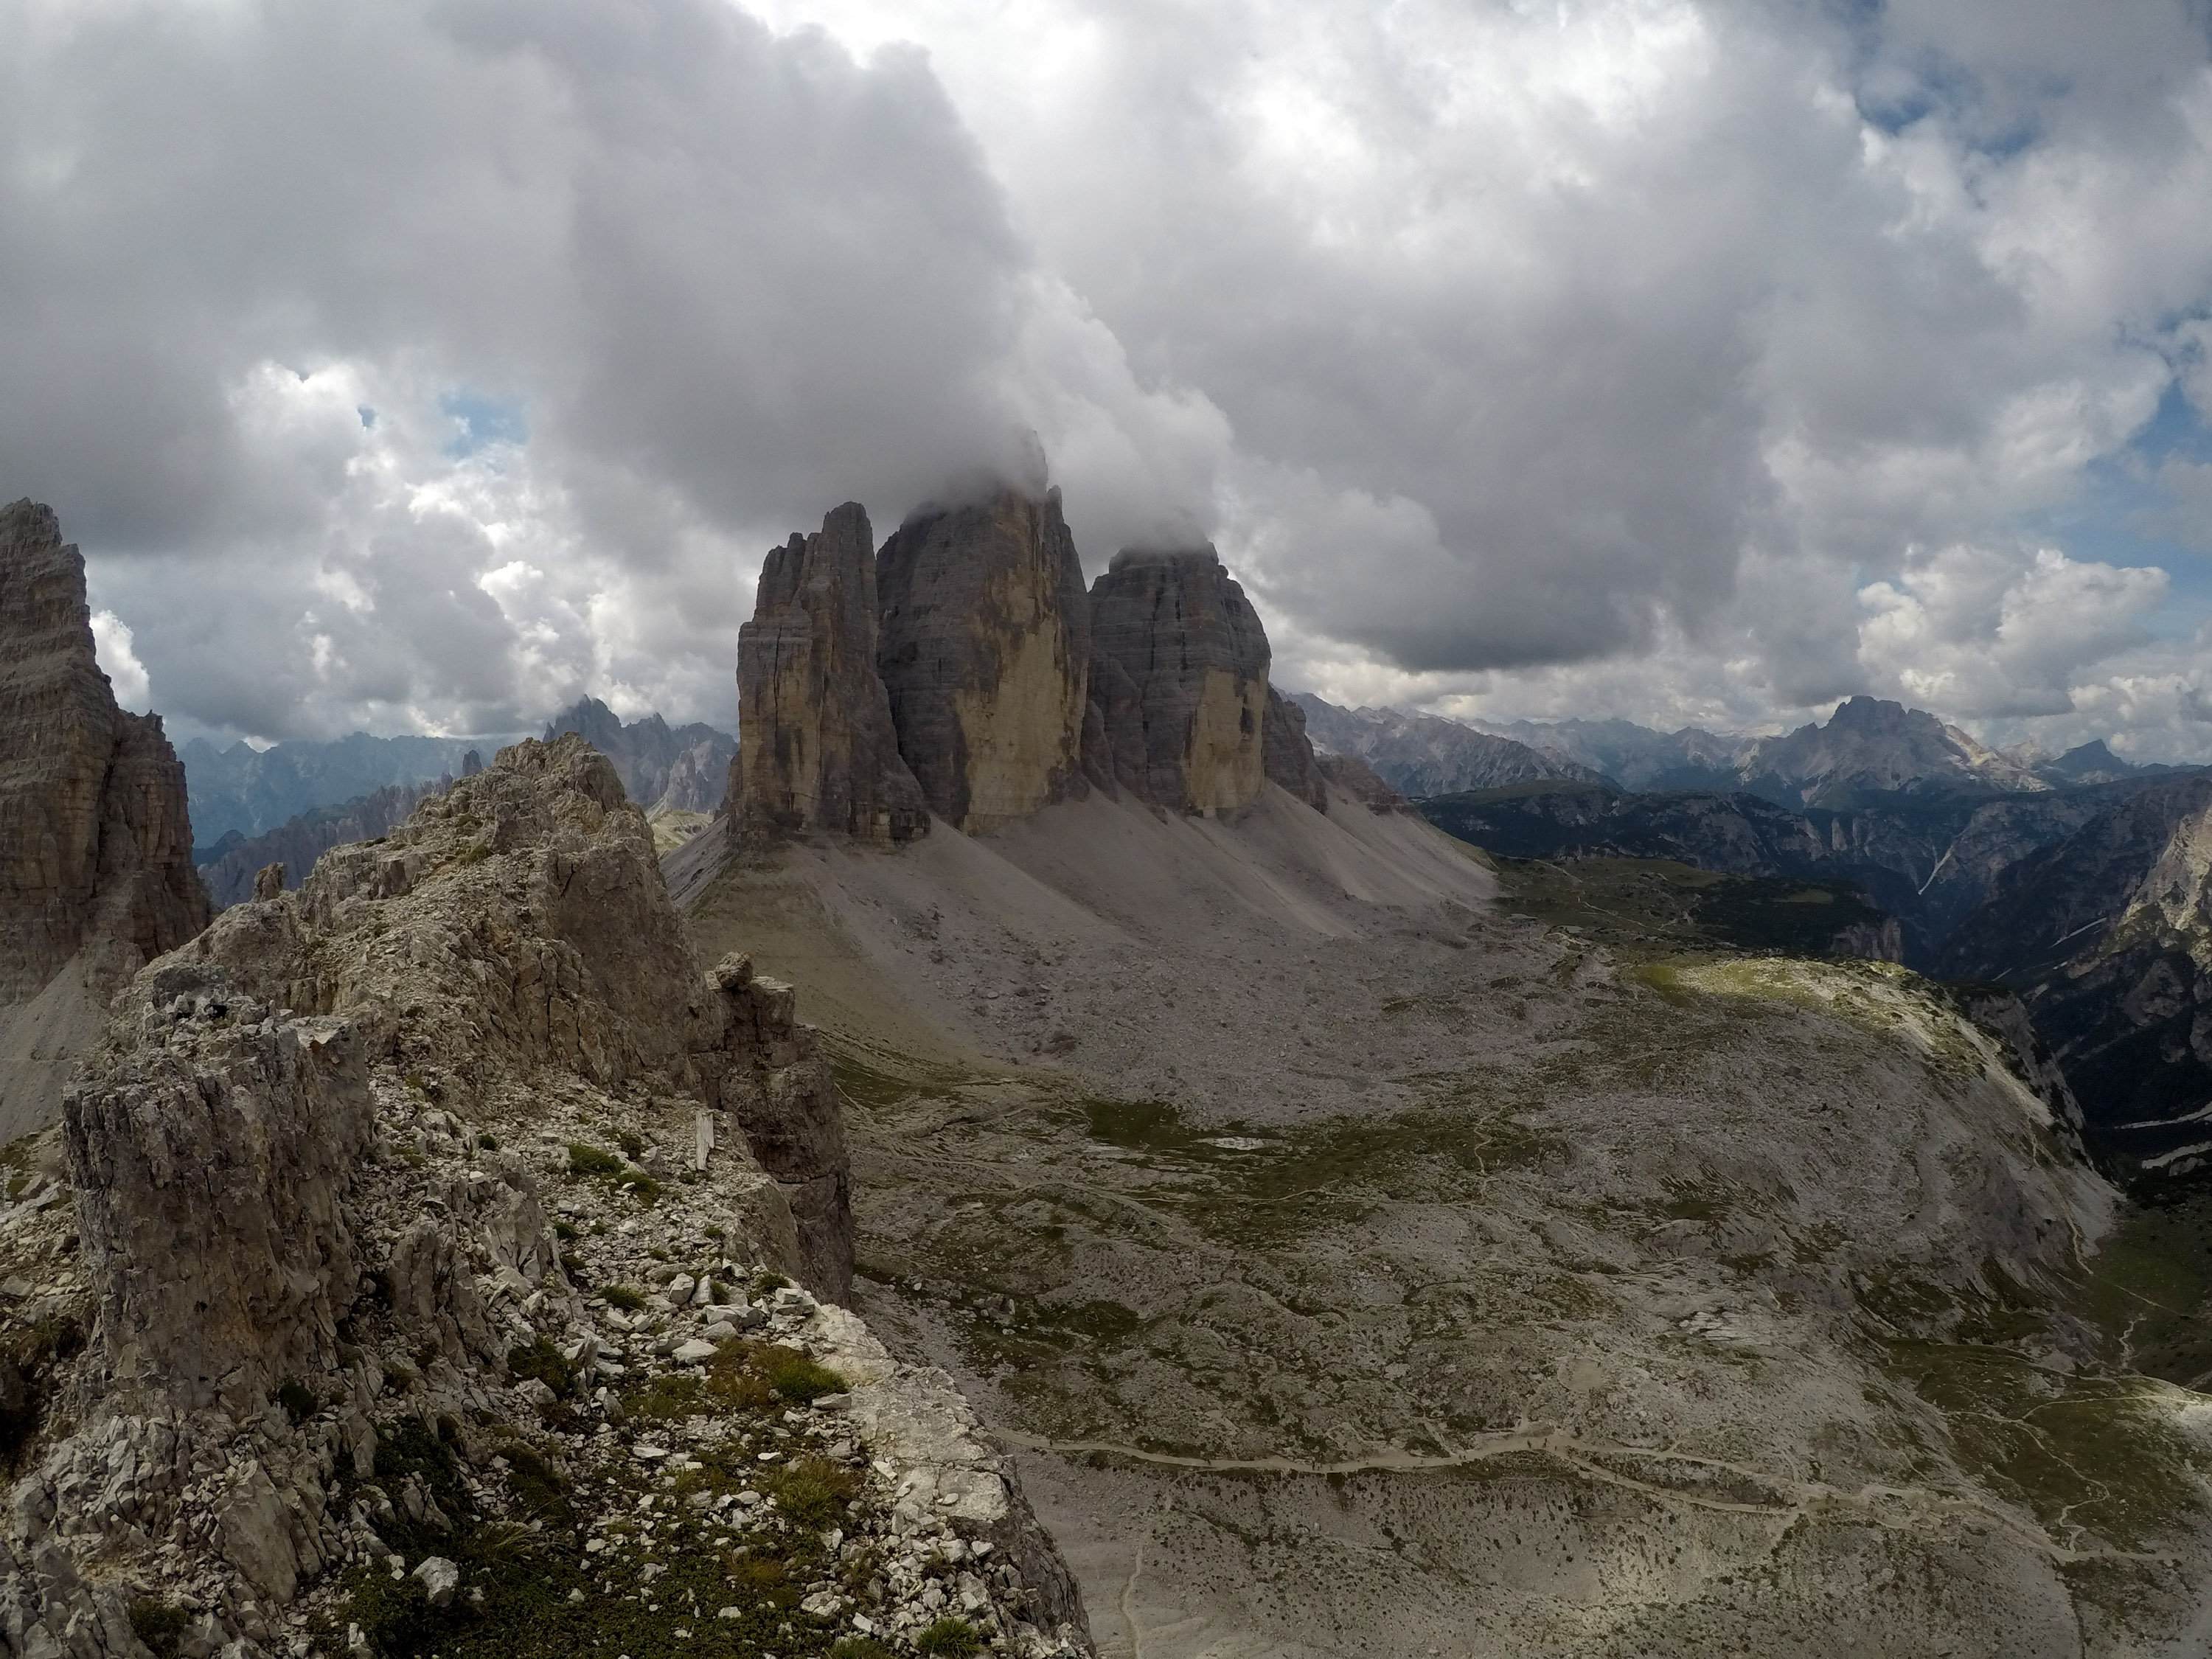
(949, 1638)
(643, 1186)
(766, 1284)
(631, 1142)
(159, 1625)
(414, 1082)
(585, 1159)
(756, 1572)
(812, 1491)
(577, 1267)
(753, 1375)
(565, 1232)
(487, 1142)
(297, 1399)
(542, 1360)
(627, 1298)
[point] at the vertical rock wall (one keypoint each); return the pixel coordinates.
(1179, 681)
(94, 838)
(1288, 753)
(212, 1149)
(985, 650)
(816, 748)
(96, 874)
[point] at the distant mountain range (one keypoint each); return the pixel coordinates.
(236, 791)
(2079, 881)
(1870, 749)
(252, 791)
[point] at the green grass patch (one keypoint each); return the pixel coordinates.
(628, 1297)
(542, 1361)
(949, 1638)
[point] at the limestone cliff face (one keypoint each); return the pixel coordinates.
(96, 870)
(1178, 681)
(985, 650)
(816, 749)
(1288, 753)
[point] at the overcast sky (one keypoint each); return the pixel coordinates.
(423, 366)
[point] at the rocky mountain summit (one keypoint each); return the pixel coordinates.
(985, 650)
(826, 756)
(96, 872)
(421, 1289)
(963, 671)
(663, 768)
(1178, 684)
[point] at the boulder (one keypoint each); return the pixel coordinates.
(1178, 681)
(96, 874)
(817, 749)
(985, 650)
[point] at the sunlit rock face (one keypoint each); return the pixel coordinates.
(985, 650)
(817, 749)
(1179, 681)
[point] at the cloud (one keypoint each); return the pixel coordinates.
(110, 641)
(1987, 635)
(430, 363)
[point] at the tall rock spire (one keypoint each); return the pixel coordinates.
(816, 747)
(985, 652)
(96, 874)
(1178, 681)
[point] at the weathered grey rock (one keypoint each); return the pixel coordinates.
(439, 1578)
(816, 749)
(95, 848)
(1288, 753)
(768, 1070)
(233, 873)
(1179, 681)
(268, 881)
(211, 1146)
(662, 767)
(985, 650)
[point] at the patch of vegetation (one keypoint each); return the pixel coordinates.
(537, 1487)
(628, 1297)
(297, 1399)
(160, 1625)
(540, 1360)
(949, 1638)
(812, 1491)
(767, 1284)
(2093, 1453)
(631, 1142)
(585, 1159)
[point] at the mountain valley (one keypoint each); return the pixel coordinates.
(1070, 1158)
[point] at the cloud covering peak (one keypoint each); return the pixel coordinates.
(427, 365)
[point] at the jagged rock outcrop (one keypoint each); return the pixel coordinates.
(985, 650)
(335, 1324)
(1288, 753)
(297, 843)
(213, 1145)
(664, 768)
(96, 870)
(1356, 779)
(817, 749)
(1178, 682)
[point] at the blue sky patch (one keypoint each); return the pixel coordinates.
(480, 421)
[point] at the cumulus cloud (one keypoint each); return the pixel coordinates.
(430, 363)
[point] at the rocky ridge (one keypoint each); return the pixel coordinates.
(96, 872)
(418, 1235)
(664, 768)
